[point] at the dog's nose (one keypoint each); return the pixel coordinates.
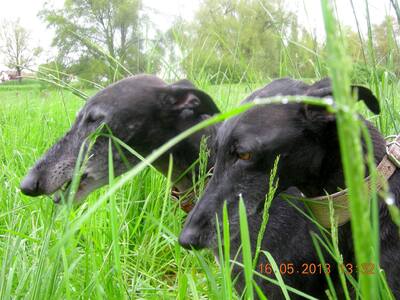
(189, 239)
(30, 185)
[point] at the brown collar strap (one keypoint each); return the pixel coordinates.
(187, 199)
(320, 205)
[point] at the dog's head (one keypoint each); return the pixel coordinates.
(142, 111)
(247, 146)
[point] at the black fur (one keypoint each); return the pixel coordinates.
(305, 138)
(144, 112)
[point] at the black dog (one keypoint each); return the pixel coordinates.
(144, 112)
(306, 139)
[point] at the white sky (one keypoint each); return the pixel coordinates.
(163, 12)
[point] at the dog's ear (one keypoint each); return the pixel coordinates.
(316, 115)
(183, 96)
(183, 83)
(368, 97)
(323, 88)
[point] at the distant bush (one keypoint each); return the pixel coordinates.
(25, 84)
(19, 83)
(19, 87)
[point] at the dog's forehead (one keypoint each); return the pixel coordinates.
(279, 87)
(257, 122)
(134, 90)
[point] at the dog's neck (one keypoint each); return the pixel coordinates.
(330, 177)
(187, 152)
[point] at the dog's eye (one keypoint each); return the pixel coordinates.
(244, 155)
(91, 118)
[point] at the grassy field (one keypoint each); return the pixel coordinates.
(126, 247)
(151, 263)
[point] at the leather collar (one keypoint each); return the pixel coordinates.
(319, 206)
(187, 198)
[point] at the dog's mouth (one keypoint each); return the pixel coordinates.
(64, 192)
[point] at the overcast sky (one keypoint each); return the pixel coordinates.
(163, 12)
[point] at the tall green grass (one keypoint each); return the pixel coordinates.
(366, 240)
(122, 242)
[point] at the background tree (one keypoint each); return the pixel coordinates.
(16, 47)
(385, 37)
(238, 40)
(109, 35)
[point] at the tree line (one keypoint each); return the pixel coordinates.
(100, 41)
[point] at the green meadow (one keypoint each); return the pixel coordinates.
(121, 243)
(151, 262)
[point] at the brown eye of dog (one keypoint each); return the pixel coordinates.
(244, 156)
(91, 118)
